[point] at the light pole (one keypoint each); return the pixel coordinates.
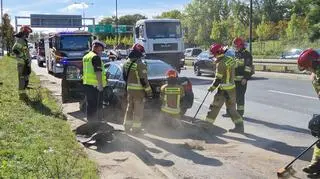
(83, 12)
(117, 31)
(250, 33)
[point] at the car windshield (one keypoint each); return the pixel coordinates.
(158, 69)
(75, 42)
(163, 30)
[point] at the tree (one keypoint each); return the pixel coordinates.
(296, 27)
(265, 29)
(220, 32)
(173, 14)
(107, 20)
(7, 33)
(130, 19)
(313, 19)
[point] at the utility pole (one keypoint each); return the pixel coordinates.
(250, 38)
(117, 31)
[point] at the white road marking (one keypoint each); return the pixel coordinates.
(292, 94)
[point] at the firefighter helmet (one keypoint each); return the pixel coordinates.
(25, 29)
(239, 43)
(217, 50)
(138, 47)
(307, 58)
(172, 74)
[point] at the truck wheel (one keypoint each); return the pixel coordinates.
(83, 105)
(64, 90)
(183, 111)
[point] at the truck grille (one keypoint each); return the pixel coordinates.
(165, 47)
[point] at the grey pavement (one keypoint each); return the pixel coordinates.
(278, 109)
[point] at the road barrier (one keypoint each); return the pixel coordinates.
(274, 65)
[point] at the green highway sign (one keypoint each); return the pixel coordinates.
(109, 29)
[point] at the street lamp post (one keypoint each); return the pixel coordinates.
(250, 38)
(117, 30)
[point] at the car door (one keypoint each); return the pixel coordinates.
(208, 63)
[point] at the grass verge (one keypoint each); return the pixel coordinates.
(35, 141)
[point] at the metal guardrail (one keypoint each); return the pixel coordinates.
(267, 63)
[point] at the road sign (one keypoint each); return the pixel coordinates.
(56, 21)
(108, 28)
(100, 28)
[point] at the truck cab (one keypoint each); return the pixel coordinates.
(162, 39)
(64, 52)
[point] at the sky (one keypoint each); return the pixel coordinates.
(90, 8)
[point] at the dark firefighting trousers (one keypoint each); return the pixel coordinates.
(94, 100)
(24, 70)
(240, 93)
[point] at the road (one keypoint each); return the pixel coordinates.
(278, 108)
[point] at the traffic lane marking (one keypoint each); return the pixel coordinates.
(292, 94)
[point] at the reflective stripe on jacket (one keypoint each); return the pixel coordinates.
(89, 75)
(171, 96)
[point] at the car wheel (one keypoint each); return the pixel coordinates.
(183, 111)
(197, 70)
(64, 91)
(40, 64)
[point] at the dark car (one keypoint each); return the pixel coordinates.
(115, 93)
(204, 64)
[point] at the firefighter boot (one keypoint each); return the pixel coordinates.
(239, 128)
(312, 168)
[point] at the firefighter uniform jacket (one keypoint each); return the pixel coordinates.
(171, 96)
(21, 50)
(225, 73)
(244, 65)
(135, 74)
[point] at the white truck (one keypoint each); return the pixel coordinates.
(162, 39)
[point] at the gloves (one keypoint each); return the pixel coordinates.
(100, 88)
(211, 88)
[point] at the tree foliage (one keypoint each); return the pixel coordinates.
(173, 14)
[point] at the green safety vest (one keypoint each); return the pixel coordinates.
(171, 92)
(89, 75)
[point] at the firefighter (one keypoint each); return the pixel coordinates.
(310, 60)
(171, 95)
(21, 51)
(242, 73)
(135, 75)
(224, 81)
(94, 80)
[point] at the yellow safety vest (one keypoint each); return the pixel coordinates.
(89, 75)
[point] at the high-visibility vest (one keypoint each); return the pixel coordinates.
(171, 93)
(89, 75)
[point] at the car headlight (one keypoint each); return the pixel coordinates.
(73, 73)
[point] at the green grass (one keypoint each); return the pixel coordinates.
(274, 48)
(35, 141)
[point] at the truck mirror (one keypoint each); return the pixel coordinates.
(137, 32)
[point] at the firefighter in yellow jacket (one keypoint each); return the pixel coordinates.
(21, 51)
(224, 81)
(310, 60)
(171, 95)
(136, 77)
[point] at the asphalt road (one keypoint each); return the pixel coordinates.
(278, 109)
